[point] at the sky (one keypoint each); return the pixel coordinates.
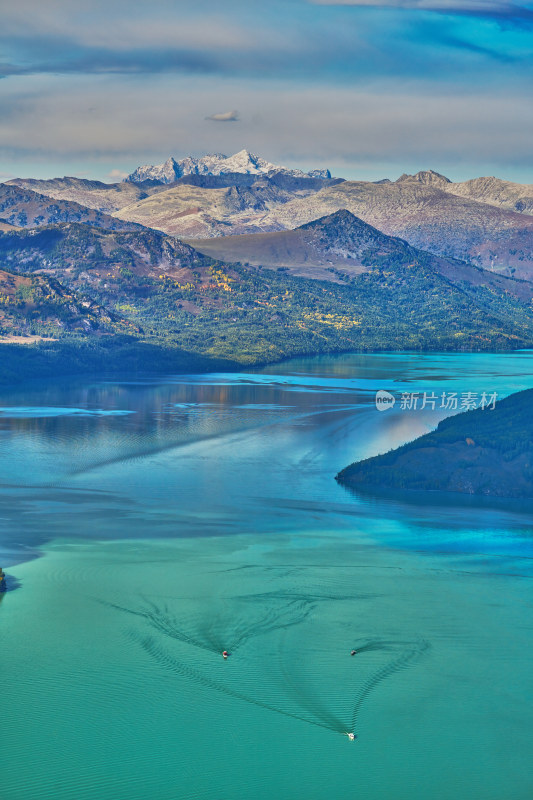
(368, 88)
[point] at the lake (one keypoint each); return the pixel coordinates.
(146, 525)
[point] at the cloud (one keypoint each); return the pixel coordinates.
(351, 130)
(226, 116)
(304, 40)
(491, 9)
(109, 36)
(116, 175)
(110, 84)
(64, 57)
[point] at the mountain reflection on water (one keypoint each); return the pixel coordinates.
(216, 454)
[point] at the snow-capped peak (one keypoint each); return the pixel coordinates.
(243, 161)
(215, 164)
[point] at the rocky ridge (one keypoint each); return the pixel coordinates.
(215, 164)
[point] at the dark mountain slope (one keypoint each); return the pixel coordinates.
(481, 452)
(38, 305)
(339, 245)
(67, 250)
(173, 294)
(428, 217)
(27, 209)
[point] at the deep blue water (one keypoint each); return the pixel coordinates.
(146, 525)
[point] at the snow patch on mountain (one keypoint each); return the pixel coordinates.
(216, 164)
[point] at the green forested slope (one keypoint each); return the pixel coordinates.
(163, 293)
(484, 452)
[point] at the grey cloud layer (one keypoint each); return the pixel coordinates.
(327, 126)
(317, 83)
(314, 44)
(498, 9)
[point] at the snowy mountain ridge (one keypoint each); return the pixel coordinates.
(216, 164)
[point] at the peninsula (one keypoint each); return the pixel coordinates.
(482, 452)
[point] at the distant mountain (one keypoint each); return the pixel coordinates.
(427, 216)
(341, 245)
(189, 210)
(486, 452)
(392, 297)
(111, 197)
(503, 194)
(426, 177)
(27, 209)
(216, 164)
(104, 197)
(493, 191)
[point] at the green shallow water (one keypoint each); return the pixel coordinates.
(148, 525)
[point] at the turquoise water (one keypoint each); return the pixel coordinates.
(147, 525)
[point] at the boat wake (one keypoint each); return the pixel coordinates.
(223, 625)
(291, 662)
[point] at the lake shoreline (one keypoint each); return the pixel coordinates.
(479, 453)
(54, 404)
(11, 375)
(157, 523)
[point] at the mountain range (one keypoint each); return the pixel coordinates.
(503, 194)
(216, 164)
(258, 263)
(485, 221)
(24, 208)
(427, 217)
(381, 294)
(341, 245)
(423, 214)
